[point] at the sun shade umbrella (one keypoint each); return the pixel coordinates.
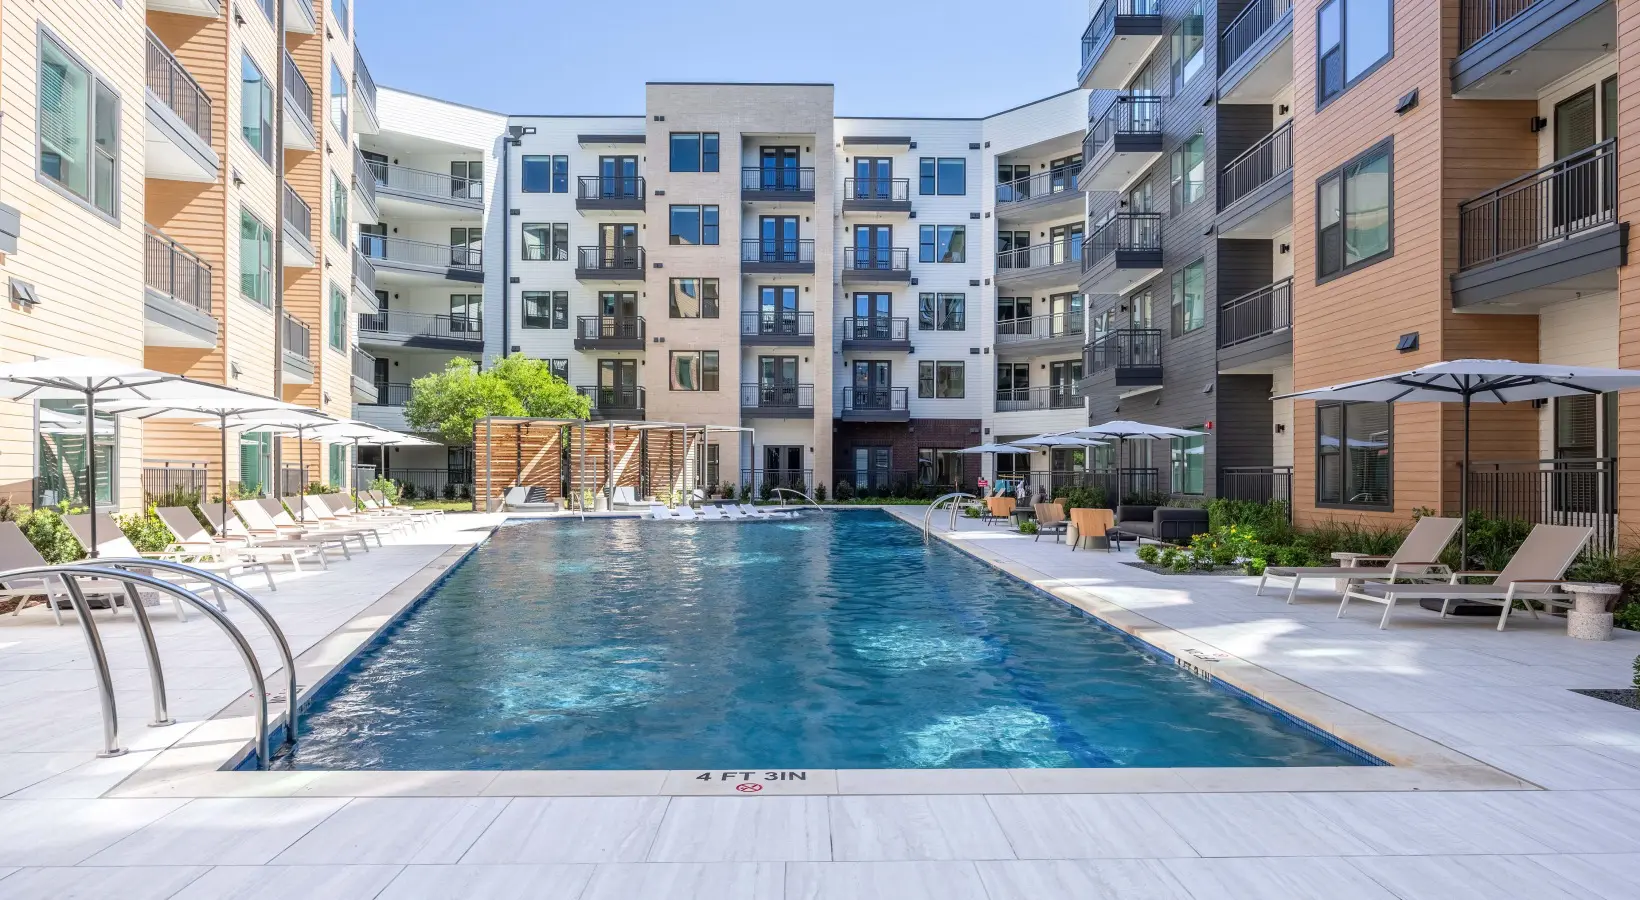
(300, 422)
(993, 450)
(1123, 430)
(365, 433)
(1470, 381)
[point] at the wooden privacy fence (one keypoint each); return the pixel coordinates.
(564, 460)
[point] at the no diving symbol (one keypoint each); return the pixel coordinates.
(748, 787)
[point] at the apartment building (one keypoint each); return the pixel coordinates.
(179, 181)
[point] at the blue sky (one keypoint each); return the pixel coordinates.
(887, 57)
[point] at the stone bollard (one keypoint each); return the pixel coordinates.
(1590, 619)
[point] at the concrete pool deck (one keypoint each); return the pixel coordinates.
(1512, 785)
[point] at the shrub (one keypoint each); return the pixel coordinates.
(1627, 616)
(466, 492)
(1149, 553)
(46, 530)
(1182, 562)
(1168, 557)
(1637, 673)
(1027, 527)
(1254, 566)
(970, 512)
(766, 492)
(145, 531)
(449, 491)
(746, 492)
(845, 490)
(1080, 498)
(388, 487)
(819, 493)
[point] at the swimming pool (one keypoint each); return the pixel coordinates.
(837, 641)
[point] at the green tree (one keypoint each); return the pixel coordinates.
(543, 394)
(447, 403)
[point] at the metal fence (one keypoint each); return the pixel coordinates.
(391, 393)
(777, 323)
(1039, 256)
(364, 365)
(882, 399)
(1247, 27)
(1570, 195)
(298, 94)
(177, 89)
(1127, 114)
(298, 215)
(427, 325)
(617, 260)
(1058, 180)
(793, 479)
(364, 177)
(430, 483)
(792, 251)
(1124, 347)
(876, 259)
(609, 328)
(609, 187)
(419, 253)
(1126, 231)
(1103, 24)
(1550, 492)
(1256, 313)
(777, 396)
(1257, 165)
(1479, 18)
(173, 270)
(892, 189)
(163, 476)
(1260, 484)
(365, 84)
(776, 179)
(1044, 327)
(432, 185)
(1057, 396)
(876, 328)
(297, 337)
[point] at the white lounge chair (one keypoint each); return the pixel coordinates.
(194, 542)
(733, 511)
(626, 498)
(113, 546)
(519, 498)
(260, 524)
(1531, 576)
(318, 509)
(753, 512)
(17, 553)
(233, 533)
(282, 519)
(1413, 559)
(659, 512)
(686, 513)
(714, 513)
(366, 505)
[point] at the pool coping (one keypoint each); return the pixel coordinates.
(208, 761)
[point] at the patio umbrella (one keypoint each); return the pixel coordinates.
(299, 421)
(366, 433)
(1123, 430)
(92, 379)
(1469, 381)
(993, 450)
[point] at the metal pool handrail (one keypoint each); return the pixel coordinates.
(780, 490)
(954, 495)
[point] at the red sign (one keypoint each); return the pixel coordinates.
(984, 483)
(749, 787)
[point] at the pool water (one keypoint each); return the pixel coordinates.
(839, 640)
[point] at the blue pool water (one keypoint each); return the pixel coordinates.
(836, 641)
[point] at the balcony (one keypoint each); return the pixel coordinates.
(1513, 49)
(1546, 236)
(596, 193)
(397, 328)
(386, 393)
(609, 264)
(1041, 197)
(1122, 254)
(298, 15)
(1256, 327)
(178, 134)
(1041, 335)
(365, 120)
(1067, 395)
(1118, 40)
(405, 192)
(298, 231)
(1256, 53)
(1133, 354)
(782, 257)
(609, 333)
(777, 328)
(1123, 142)
(421, 260)
(1040, 265)
(208, 9)
(300, 133)
(298, 350)
(364, 377)
(177, 295)
(876, 195)
(615, 403)
(876, 333)
(776, 185)
(883, 265)
(362, 199)
(884, 404)
(777, 401)
(1256, 188)
(364, 283)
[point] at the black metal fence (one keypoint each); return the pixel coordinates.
(609, 328)
(877, 259)
(876, 328)
(431, 483)
(1117, 485)
(777, 179)
(391, 394)
(777, 396)
(1067, 395)
(1550, 492)
(1126, 231)
(174, 270)
(611, 260)
(777, 323)
(790, 251)
(1572, 194)
(1247, 27)
(893, 189)
(792, 479)
(1479, 18)
(1124, 347)
(163, 476)
(177, 89)
(1256, 313)
(1103, 24)
(882, 399)
(1260, 484)
(1126, 114)
(1257, 165)
(609, 187)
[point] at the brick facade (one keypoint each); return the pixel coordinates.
(903, 441)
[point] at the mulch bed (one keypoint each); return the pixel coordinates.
(1164, 570)
(1621, 696)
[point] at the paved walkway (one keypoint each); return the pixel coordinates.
(1501, 699)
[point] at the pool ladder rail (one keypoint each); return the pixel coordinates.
(121, 570)
(953, 496)
(782, 492)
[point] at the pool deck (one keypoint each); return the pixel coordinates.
(1507, 784)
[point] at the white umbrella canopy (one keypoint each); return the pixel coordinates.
(300, 421)
(994, 448)
(1060, 441)
(1122, 430)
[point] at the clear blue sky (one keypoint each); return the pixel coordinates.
(887, 57)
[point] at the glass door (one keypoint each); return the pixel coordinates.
(783, 467)
(778, 169)
(871, 468)
(777, 309)
(466, 312)
(777, 381)
(871, 317)
(1013, 249)
(1577, 181)
(778, 236)
(871, 384)
(465, 246)
(1013, 385)
(1064, 389)
(617, 384)
(617, 176)
(618, 311)
(1065, 244)
(618, 245)
(873, 178)
(873, 246)
(467, 179)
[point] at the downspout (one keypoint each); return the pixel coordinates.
(506, 246)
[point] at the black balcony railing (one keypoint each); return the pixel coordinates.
(1117, 485)
(390, 394)
(788, 323)
(876, 328)
(609, 328)
(876, 259)
(297, 337)
(1058, 180)
(1248, 26)
(1038, 256)
(776, 180)
(608, 401)
(1479, 18)
(883, 189)
(364, 177)
(610, 260)
(1126, 231)
(1054, 396)
(364, 365)
(419, 253)
(364, 274)
(162, 477)
(1042, 328)
(1256, 313)
(429, 483)
(1126, 115)
(1122, 348)
(177, 89)
(173, 270)
(786, 251)
(609, 187)
(298, 215)
(1260, 484)
(1103, 25)
(777, 396)
(427, 185)
(1258, 164)
(790, 479)
(298, 95)
(875, 400)
(409, 325)
(1568, 196)
(1580, 492)
(362, 81)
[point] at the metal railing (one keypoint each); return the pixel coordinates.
(297, 337)
(876, 328)
(1040, 256)
(364, 177)
(298, 215)
(1117, 484)
(609, 328)
(364, 365)
(1126, 115)
(1568, 196)
(430, 482)
(1580, 492)
(1055, 396)
(1124, 347)
(777, 396)
(430, 185)
(1258, 164)
(881, 399)
(790, 479)
(362, 81)
(891, 189)
(419, 253)
(174, 270)
(872, 480)
(1257, 313)
(177, 89)
(610, 259)
(293, 479)
(390, 393)
(1260, 484)
(299, 95)
(430, 325)
(1247, 27)
(163, 476)
(1042, 328)
(876, 259)
(1060, 180)
(793, 251)
(1479, 18)
(777, 180)
(609, 187)
(1126, 231)
(777, 323)
(363, 272)
(607, 400)
(1103, 24)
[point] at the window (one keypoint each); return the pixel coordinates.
(467, 313)
(467, 179)
(1353, 213)
(940, 467)
(546, 309)
(943, 243)
(256, 108)
(60, 450)
(339, 88)
(339, 8)
(546, 174)
(946, 175)
(940, 380)
(338, 318)
(559, 368)
(692, 225)
(337, 453)
(1013, 315)
(255, 259)
(694, 151)
(546, 241)
(1189, 298)
(338, 209)
(1186, 59)
(1354, 454)
(694, 370)
(1189, 172)
(941, 312)
(694, 298)
(79, 127)
(1352, 38)
(1189, 458)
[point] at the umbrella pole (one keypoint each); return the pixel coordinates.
(224, 531)
(301, 460)
(91, 468)
(1463, 493)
